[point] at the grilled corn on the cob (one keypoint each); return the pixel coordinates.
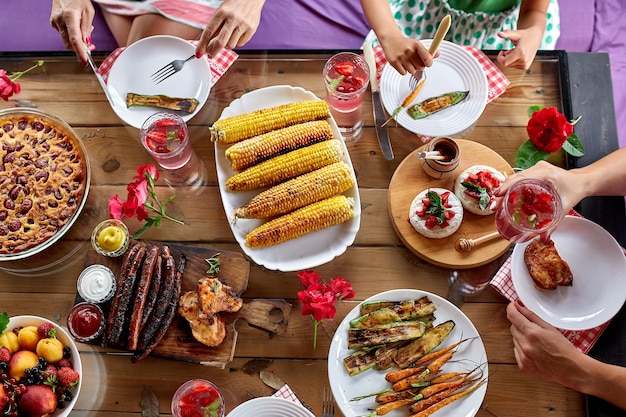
(435, 104)
(244, 126)
(316, 216)
(287, 166)
(298, 192)
(251, 151)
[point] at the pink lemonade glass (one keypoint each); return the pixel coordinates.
(198, 397)
(165, 136)
(346, 76)
(529, 208)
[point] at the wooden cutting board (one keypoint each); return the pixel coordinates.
(270, 315)
(410, 179)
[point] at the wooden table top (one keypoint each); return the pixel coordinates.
(377, 261)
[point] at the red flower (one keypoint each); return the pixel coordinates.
(318, 299)
(7, 86)
(308, 277)
(140, 200)
(548, 129)
(341, 288)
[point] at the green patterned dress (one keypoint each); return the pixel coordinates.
(419, 19)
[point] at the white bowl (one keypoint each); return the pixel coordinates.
(66, 339)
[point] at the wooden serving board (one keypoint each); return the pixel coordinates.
(410, 179)
(178, 343)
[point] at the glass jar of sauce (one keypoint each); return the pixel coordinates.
(110, 238)
(447, 166)
(96, 284)
(86, 322)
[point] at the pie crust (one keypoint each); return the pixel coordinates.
(43, 176)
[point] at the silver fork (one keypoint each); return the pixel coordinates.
(328, 403)
(170, 69)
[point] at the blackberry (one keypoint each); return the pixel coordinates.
(67, 353)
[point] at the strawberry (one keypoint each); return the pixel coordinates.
(67, 377)
(166, 123)
(344, 68)
(44, 330)
(5, 354)
(65, 363)
(50, 372)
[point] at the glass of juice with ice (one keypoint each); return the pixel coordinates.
(165, 136)
(529, 208)
(198, 398)
(346, 76)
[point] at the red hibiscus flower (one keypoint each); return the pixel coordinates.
(141, 200)
(318, 299)
(548, 131)
(8, 82)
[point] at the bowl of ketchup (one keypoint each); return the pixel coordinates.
(86, 322)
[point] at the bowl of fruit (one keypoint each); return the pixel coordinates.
(40, 368)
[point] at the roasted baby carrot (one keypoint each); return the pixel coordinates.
(439, 405)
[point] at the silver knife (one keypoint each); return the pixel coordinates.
(379, 113)
(105, 88)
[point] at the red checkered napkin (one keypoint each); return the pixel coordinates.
(286, 393)
(497, 81)
(218, 64)
(583, 340)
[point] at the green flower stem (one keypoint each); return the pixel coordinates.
(14, 76)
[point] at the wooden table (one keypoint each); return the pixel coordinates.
(376, 262)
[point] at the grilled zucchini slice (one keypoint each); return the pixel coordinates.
(436, 104)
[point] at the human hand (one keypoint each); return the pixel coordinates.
(565, 182)
(526, 43)
(233, 24)
(541, 350)
(406, 55)
(73, 20)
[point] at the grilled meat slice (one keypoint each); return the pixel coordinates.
(216, 297)
(208, 331)
(141, 294)
(545, 266)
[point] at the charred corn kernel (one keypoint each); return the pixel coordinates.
(287, 166)
(298, 192)
(316, 216)
(244, 126)
(256, 149)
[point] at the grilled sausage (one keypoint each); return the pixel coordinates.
(155, 284)
(140, 296)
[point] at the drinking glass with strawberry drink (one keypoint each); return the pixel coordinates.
(346, 76)
(165, 136)
(529, 208)
(198, 398)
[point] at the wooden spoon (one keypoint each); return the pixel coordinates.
(466, 245)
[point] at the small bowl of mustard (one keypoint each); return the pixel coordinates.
(110, 238)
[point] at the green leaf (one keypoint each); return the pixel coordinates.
(528, 155)
(436, 207)
(4, 321)
(214, 264)
(533, 109)
(574, 146)
(333, 83)
(483, 196)
(142, 230)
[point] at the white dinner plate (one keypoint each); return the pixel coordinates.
(305, 252)
(455, 69)
(132, 70)
(599, 268)
(270, 407)
(469, 354)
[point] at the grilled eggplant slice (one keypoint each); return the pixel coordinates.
(432, 338)
(187, 105)
(436, 104)
(385, 333)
